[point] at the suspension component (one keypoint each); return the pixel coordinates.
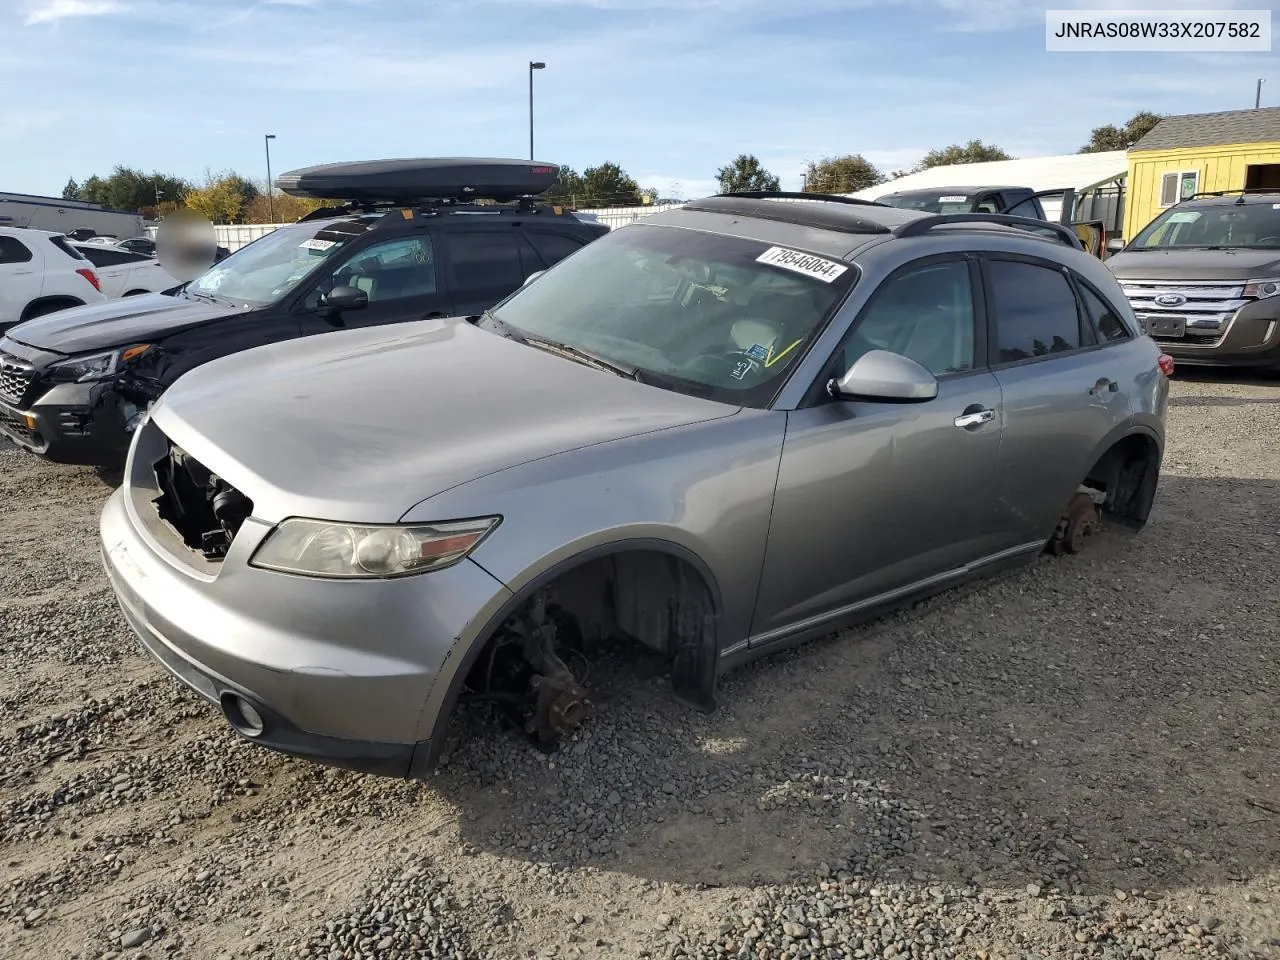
(1080, 519)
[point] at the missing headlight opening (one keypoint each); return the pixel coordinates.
(204, 509)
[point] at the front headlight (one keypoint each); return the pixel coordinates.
(96, 366)
(317, 548)
(1262, 288)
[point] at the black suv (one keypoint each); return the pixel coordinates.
(414, 240)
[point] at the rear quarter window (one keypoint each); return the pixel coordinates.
(67, 248)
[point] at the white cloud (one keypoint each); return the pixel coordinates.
(56, 10)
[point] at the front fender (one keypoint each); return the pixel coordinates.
(706, 489)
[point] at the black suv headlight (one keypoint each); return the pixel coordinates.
(96, 366)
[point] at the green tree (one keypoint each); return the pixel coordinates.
(975, 151)
(608, 185)
(130, 189)
(220, 199)
(72, 190)
(745, 173)
(567, 189)
(845, 174)
(1111, 137)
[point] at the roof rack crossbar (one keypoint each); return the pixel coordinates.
(801, 195)
(915, 228)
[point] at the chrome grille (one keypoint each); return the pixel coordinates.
(1207, 305)
(15, 377)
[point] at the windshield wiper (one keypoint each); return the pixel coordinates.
(585, 357)
(223, 301)
(502, 328)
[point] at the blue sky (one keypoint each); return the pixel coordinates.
(669, 89)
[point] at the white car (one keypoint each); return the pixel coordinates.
(125, 273)
(40, 273)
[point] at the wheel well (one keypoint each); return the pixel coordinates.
(1128, 474)
(136, 293)
(652, 597)
(37, 308)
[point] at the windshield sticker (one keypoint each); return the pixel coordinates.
(775, 357)
(741, 369)
(758, 351)
(952, 199)
(314, 244)
(1184, 216)
(817, 267)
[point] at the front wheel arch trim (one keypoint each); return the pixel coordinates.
(428, 752)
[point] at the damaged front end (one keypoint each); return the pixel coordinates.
(522, 673)
(202, 508)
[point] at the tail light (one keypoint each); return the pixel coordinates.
(91, 277)
(1166, 364)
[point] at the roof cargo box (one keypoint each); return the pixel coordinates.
(406, 181)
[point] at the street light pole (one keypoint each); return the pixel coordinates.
(271, 205)
(533, 65)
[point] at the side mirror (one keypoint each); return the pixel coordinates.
(881, 375)
(532, 277)
(345, 298)
(1115, 246)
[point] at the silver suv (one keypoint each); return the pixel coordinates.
(718, 432)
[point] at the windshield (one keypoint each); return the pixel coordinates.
(938, 201)
(269, 267)
(704, 314)
(1212, 225)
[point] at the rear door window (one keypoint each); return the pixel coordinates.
(13, 250)
(1035, 311)
(486, 267)
(553, 247)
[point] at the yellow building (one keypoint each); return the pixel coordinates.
(1201, 153)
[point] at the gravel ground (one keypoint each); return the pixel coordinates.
(1075, 761)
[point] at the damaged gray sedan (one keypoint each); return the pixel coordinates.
(719, 432)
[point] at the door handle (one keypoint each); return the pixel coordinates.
(434, 315)
(975, 418)
(1104, 384)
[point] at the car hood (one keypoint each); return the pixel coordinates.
(101, 326)
(361, 425)
(1238, 264)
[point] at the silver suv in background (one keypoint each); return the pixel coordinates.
(735, 426)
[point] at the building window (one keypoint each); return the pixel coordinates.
(1178, 185)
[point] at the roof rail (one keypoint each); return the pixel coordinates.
(1246, 191)
(801, 195)
(914, 228)
(1229, 193)
(804, 214)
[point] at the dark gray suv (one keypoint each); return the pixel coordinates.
(715, 433)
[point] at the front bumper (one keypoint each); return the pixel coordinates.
(339, 672)
(85, 424)
(1251, 339)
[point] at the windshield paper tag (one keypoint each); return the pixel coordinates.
(758, 351)
(817, 267)
(314, 244)
(952, 199)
